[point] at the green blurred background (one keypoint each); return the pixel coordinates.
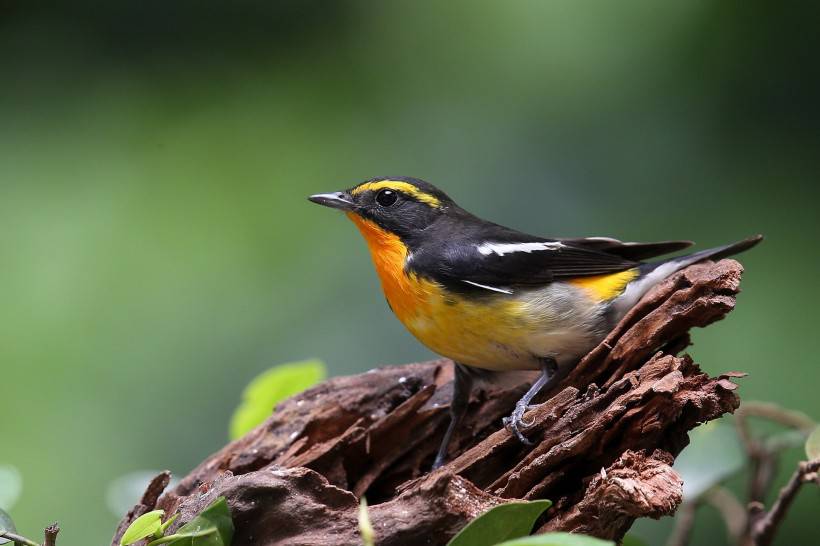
(158, 251)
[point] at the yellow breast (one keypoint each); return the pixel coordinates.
(471, 332)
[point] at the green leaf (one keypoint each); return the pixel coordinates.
(813, 444)
(213, 527)
(164, 526)
(142, 527)
(262, 394)
(217, 517)
(500, 523)
(11, 485)
(6, 524)
(713, 454)
(558, 539)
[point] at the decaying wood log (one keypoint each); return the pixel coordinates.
(605, 440)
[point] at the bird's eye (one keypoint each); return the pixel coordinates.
(386, 198)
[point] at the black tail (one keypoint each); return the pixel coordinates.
(653, 273)
(718, 253)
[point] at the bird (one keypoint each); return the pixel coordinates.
(493, 299)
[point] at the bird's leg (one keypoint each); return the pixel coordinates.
(462, 387)
(559, 375)
(516, 421)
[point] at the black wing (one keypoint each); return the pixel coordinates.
(631, 251)
(499, 259)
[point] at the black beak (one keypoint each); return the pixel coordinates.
(335, 200)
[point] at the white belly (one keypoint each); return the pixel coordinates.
(567, 323)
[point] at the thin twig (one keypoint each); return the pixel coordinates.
(17, 539)
(764, 469)
(732, 512)
(760, 464)
(773, 412)
(50, 537)
(51, 534)
(684, 522)
(765, 527)
(764, 457)
(744, 432)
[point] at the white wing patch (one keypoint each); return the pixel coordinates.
(611, 240)
(488, 287)
(509, 248)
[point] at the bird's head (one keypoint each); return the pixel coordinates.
(400, 206)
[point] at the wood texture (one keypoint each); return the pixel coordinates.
(606, 438)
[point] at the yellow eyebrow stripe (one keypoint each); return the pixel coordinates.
(404, 187)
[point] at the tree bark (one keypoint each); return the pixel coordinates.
(605, 440)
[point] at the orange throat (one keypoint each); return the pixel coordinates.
(405, 293)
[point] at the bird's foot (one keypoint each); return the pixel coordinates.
(516, 422)
(438, 463)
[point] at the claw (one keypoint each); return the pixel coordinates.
(516, 421)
